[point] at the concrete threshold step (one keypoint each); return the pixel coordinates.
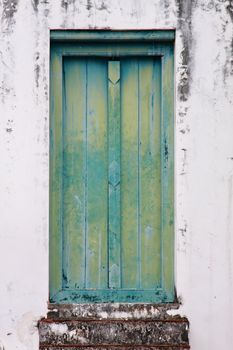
(170, 333)
(111, 347)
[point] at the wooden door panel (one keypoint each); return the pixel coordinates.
(109, 171)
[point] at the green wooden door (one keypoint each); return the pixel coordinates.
(111, 190)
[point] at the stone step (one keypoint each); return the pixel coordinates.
(170, 333)
(160, 347)
(115, 348)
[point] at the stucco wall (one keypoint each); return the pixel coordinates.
(204, 156)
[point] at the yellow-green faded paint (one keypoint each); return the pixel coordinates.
(150, 172)
(129, 175)
(111, 170)
(74, 168)
(114, 174)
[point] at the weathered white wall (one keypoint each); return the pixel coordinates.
(204, 156)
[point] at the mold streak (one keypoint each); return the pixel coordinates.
(185, 12)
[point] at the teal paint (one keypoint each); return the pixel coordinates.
(74, 169)
(114, 35)
(111, 295)
(96, 174)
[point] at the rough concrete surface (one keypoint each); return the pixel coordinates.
(118, 347)
(110, 311)
(113, 332)
(113, 325)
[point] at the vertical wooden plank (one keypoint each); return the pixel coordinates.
(150, 171)
(74, 123)
(114, 173)
(167, 159)
(55, 208)
(97, 175)
(129, 171)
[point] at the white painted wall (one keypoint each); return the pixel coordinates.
(204, 156)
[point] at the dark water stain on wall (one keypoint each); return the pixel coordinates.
(228, 67)
(229, 9)
(89, 5)
(103, 6)
(65, 4)
(184, 13)
(166, 6)
(9, 8)
(37, 74)
(35, 4)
